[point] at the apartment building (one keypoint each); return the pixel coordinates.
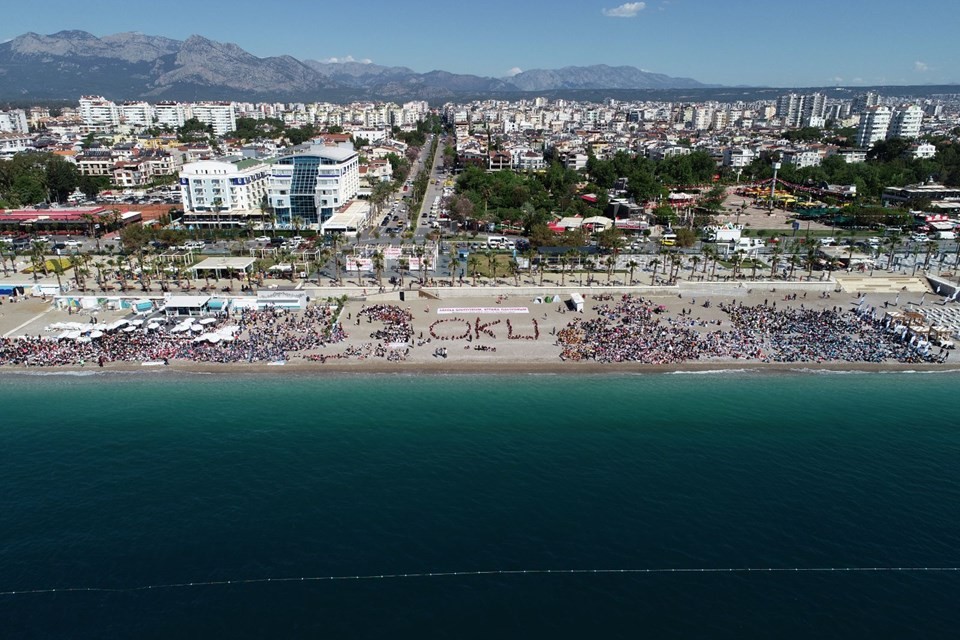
(874, 123)
(219, 115)
(225, 191)
(905, 122)
(136, 114)
(312, 182)
(14, 121)
(169, 114)
(98, 112)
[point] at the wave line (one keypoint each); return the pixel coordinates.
(489, 572)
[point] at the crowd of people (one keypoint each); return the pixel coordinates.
(631, 331)
(265, 335)
(397, 322)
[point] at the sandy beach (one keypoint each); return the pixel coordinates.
(507, 333)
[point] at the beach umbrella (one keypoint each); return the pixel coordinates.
(136, 322)
(208, 321)
(129, 329)
(196, 327)
(153, 326)
(96, 334)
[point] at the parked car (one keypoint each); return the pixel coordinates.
(262, 239)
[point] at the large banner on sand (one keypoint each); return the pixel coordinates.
(481, 310)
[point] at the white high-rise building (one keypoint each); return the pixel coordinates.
(169, 114)
(814, 109)
(905, 122)
(224, 191)
(137, 114)
(863, 102)
(702, 118)
(874, 123)
(219, 115)
(14, 121)
(97, 111)
(790, 109)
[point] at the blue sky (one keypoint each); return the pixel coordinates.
(751, 42)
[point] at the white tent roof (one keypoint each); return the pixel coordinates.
(187, 302)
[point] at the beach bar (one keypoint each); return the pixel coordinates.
(187, 306)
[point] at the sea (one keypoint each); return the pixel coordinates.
(727, 504)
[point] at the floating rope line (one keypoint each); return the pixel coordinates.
(495, 572)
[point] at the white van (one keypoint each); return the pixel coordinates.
(945, 235)
(496, 242)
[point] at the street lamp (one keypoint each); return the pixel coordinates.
(773, 185)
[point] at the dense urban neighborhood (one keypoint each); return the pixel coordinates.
(467, 190)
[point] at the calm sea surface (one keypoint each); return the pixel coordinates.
(129, 480)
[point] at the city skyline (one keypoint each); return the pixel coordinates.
(754, 44)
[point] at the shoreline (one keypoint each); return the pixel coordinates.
(492, 368)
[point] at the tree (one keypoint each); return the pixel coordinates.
(631, 266)
(134, 237)
(57, 268)
(454, 264)
(378, 264)
(473, 263)
(193, 130)
(892, 242)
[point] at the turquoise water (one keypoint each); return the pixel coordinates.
(127, 480)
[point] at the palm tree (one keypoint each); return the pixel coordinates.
(676, 262)
(892, 242)
(378, 264)
(454, 265)
(811, 258)
(143, 275)
(737, 262)
(403, 264)
(3, 260)
(530, 254)
(337, 263)
(80, 263)
(285, 256)
(931, 245)
(424, 267)
(564, 260)
(57, 268)
(38, 260)
(774, 260)
(473, 263)
(694, 261)
(631, 266)
(656, 265)
(335, 251)
(575, 258)
(419, 252)
(611, 262)
(514, 267)
(492, 262)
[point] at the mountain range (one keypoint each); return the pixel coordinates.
(129, 66)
